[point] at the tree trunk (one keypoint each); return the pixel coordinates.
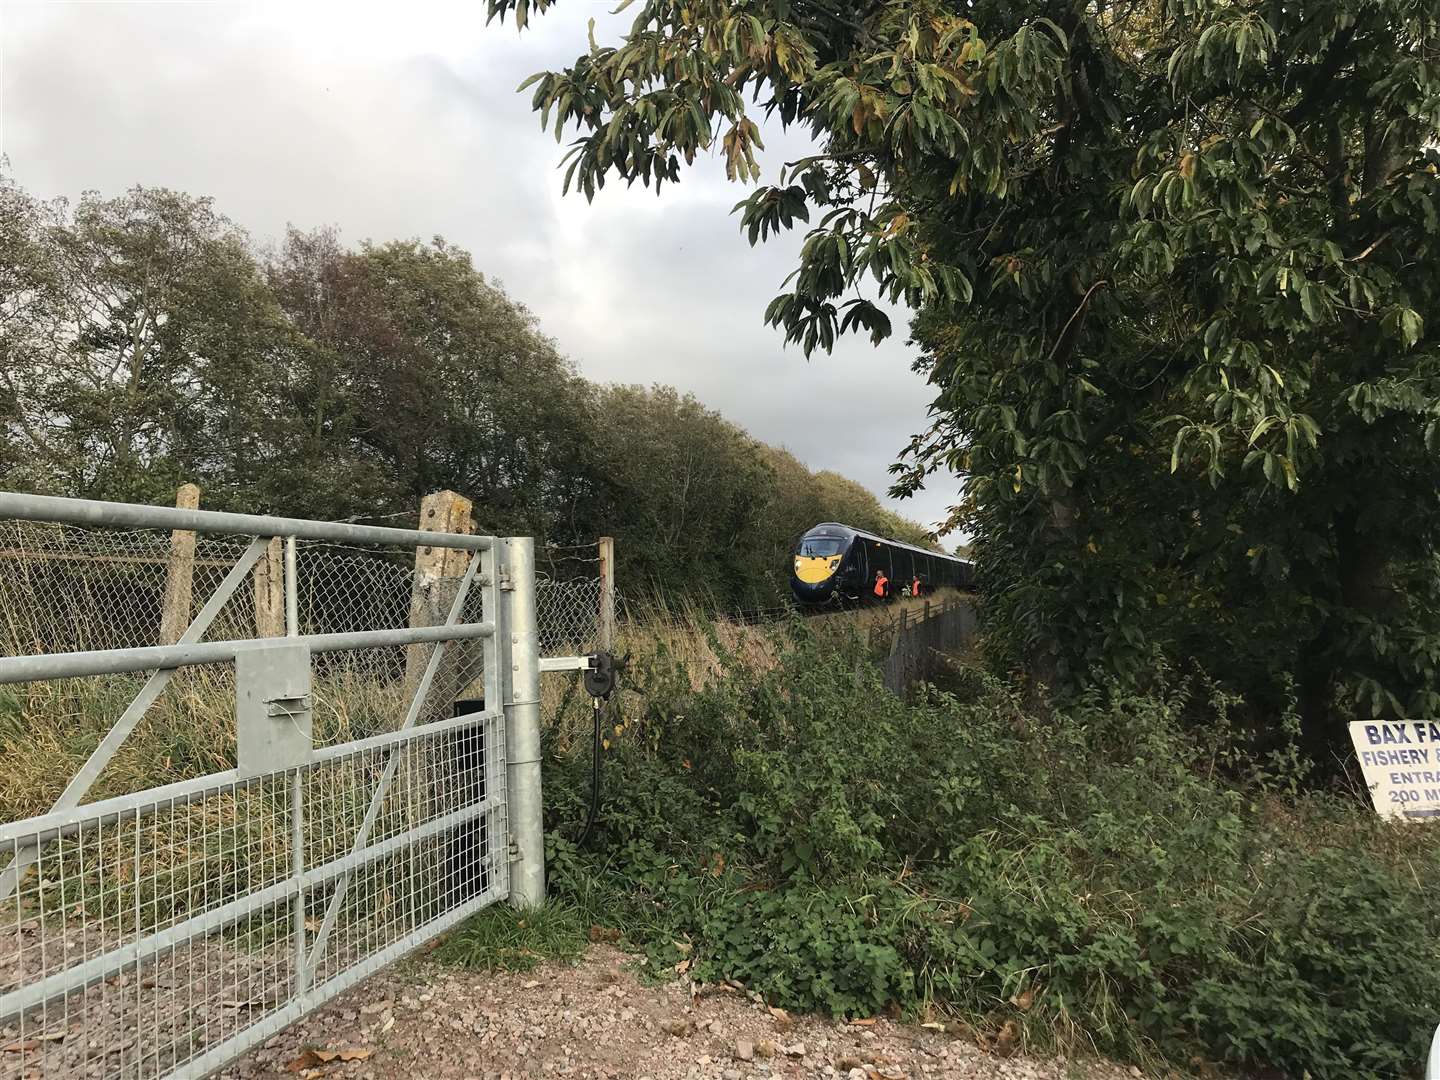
(1362, 584)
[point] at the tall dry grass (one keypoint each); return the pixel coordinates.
(48, 729)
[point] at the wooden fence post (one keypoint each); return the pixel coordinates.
(605, 627)
(179, 572)
(437, 571)
(270, 592)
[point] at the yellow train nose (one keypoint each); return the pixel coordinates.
(814, 569)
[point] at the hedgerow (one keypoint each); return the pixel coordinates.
(1114, 877)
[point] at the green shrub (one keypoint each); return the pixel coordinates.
(1111, 876)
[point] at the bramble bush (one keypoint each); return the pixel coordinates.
(1117, 876)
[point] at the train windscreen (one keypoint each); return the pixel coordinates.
(815, 547)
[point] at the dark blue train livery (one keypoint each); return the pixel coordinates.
(834, 562)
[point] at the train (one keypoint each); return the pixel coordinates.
(836, 563)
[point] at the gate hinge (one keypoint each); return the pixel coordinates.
(512, 852)
(507, 583)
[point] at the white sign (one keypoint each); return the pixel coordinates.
(1401, 763)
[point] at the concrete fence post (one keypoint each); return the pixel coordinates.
(522, 723)
(179, 572)
(438, 571)
(270, 592)
(605, 626)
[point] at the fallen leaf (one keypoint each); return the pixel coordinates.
(1024, 999)
(682, 967)
(312, 925)
(783, 1019)
(389, 1023)
(604, 933)
(21, 1047)
(933, 1026)
(868, 1021)
(306, 1061)
(683, 947)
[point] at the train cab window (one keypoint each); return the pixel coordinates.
(820, 546)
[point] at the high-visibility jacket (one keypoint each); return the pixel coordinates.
(915, 587)
(882, 586)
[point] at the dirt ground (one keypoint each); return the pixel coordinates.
(596, 1021)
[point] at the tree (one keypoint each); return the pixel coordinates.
(145, 344)
(1174, 266)
(28, 309)
(418, 374)
(141, 346)
(683, 495)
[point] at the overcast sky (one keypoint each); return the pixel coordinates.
(401, 119)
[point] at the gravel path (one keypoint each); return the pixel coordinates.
(595, 1020)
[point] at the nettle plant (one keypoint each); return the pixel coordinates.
(1173, 263)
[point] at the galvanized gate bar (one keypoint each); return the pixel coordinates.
(362, 835)
(564, 663)
(93, 512)
(117, 961)
(202, 1066)
(522, 727)
(15, 669)
(106, 812)
(120, 731)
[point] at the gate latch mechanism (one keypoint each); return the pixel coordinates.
(600, 676)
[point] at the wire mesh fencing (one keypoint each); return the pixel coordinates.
(191, 905)
(165, 935)
(568, 613)
(65, 588)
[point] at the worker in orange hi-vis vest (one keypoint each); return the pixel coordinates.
(882, 585)
(915, 586)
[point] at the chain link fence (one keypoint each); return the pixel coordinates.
(64, 588)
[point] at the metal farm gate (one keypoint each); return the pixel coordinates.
(310, 805)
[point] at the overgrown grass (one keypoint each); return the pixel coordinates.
(501, 938)
(47, 729)
(1120, 877)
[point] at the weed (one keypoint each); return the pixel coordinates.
(1102, 878)
(501, 938)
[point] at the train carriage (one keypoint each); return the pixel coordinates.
(837, 563)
